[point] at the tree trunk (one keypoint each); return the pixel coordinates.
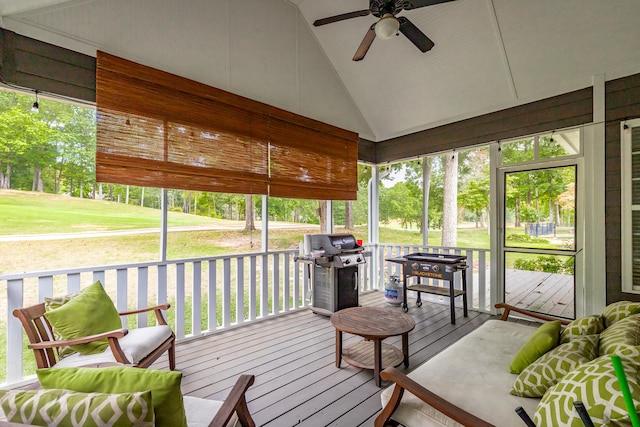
(81, 189)
(110, 192)
(37, 180)
(348, 215)
(126, 198)
(322, 215)
(142, 197)
(450, 205)
(56, 181)
(249, 224)
(7, 177)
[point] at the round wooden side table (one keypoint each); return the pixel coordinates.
(374, 324)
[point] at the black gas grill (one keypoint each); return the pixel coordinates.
(336, 258)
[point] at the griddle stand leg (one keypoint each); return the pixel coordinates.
(464, 295)
(452, 302)
(405, 307)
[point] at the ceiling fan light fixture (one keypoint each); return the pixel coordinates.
(387, 27)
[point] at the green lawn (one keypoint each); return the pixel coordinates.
(34, 213)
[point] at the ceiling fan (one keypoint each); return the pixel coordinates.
(388, 25)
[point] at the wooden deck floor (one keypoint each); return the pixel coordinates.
(293, 359)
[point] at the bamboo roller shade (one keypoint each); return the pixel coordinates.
(157, 129)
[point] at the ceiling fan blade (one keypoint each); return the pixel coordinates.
(341, 17)
(366, 44)
(414, 34)
(414, 4)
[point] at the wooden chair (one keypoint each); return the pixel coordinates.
(46, 347)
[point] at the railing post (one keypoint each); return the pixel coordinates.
(239, 290)
(196, 307)
(285, 283)
(180, 301)
(213, 296)
(15, 298)
(121, 292)
(275, 294)
(226, 292)
(143, 295)
(252, 287)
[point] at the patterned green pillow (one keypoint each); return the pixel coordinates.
(51, 303)
(588, 325)
(618, 311)
(595, 384)
(542, 340)
(551, 367)
(57, 407)
(623, 335)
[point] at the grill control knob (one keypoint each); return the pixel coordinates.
(347, 261)
(358, 259)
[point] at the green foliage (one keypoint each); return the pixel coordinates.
(547, 264)
(528, 213)
(525, 238)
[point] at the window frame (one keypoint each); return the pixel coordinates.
(627, 207)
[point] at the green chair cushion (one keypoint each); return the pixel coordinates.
(73, 409)
(623, 335)
(588, 325)
(92, 312)
(164, 386)
(552, 366)
(595, 384)
(542, 340)
(618, 311)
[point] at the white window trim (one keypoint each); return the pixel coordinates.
(627, 207)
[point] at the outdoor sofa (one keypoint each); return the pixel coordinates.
(470, 382)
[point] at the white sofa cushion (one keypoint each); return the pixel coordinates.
(473, 374)
(200, 412)
(136, 345)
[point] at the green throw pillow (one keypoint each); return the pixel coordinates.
(618, 311)
(51, 303)
(552, 366)
(595, 384)
(92, 312)
(588, 325)
(623, 335)
(543, 339)
(164, 386)
(73, 409)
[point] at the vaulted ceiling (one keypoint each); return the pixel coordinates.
(488, 54)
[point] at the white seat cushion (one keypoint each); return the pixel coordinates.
(473, 374)
(200, 412)
(136, 345)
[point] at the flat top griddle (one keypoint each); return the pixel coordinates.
(433, 258)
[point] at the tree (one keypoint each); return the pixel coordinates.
(476, 198)
(26, 142)
(249, 224)
(450, 205)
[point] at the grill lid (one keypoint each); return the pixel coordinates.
(333, 244)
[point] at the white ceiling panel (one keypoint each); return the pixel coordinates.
(555, 45)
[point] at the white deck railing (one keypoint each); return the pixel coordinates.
(206, 294)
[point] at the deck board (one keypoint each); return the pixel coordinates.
(293, 359)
